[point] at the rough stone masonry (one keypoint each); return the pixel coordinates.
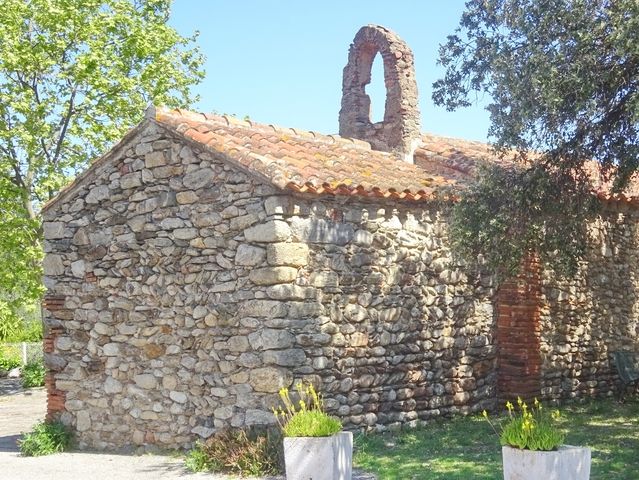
(193, 293)
(187, 282)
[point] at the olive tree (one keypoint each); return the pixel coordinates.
(562, 77)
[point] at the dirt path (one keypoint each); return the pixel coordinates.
(20, 410)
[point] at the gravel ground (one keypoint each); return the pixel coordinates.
(20, 409)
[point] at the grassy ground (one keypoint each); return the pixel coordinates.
(467, 448)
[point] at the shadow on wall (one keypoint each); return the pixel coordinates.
(586, 318)
(412, 334)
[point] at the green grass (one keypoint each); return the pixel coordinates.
(467, 448)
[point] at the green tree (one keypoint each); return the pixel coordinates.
(562, 77)
(20, 253)
(74, 76)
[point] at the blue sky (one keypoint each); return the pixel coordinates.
(281, 62)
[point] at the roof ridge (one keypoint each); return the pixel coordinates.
(319, 163)
(232, 120)
(308, 162)
(455, 139)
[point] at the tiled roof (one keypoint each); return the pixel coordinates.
(454, 158)
(309, 162)
(603, 186)
(304, 161)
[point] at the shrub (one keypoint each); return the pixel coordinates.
(306, 417)
(8, 362)
(237, 452)
(197, 461)
(530, 428)
(44, 439)
(31, 331)
(19, 322)
(33, 375)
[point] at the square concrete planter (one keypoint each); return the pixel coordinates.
(319, 458)
(565, 463)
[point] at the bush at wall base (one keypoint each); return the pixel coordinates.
(565, 463)
(244, 452)
(45, 438)
(33, 375)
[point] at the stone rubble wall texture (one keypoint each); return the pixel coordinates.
(584, 319)
(183, 293)
(400, 129)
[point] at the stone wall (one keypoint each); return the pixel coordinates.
(183, 293)
(587, 317)
(411, 336)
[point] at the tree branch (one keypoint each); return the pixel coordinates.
(65, 126)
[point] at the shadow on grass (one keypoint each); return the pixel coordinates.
(467, 448)
(461, 448)
(612, 431)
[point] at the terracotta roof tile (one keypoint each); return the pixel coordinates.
(305, 161)
(309, 162)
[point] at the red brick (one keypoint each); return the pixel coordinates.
(518, 334)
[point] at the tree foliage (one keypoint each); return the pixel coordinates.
(509, 212)
(20, 254)
(74, 76)
(563, 79)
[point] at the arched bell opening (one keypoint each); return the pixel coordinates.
(400, 128)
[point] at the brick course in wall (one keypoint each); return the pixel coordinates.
(56, 398)
(518, 334)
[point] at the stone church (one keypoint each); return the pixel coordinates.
(205, 262)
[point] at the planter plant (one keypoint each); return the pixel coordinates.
(532, 446)
(315, 447)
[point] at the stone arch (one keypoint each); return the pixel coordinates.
(399, 132)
